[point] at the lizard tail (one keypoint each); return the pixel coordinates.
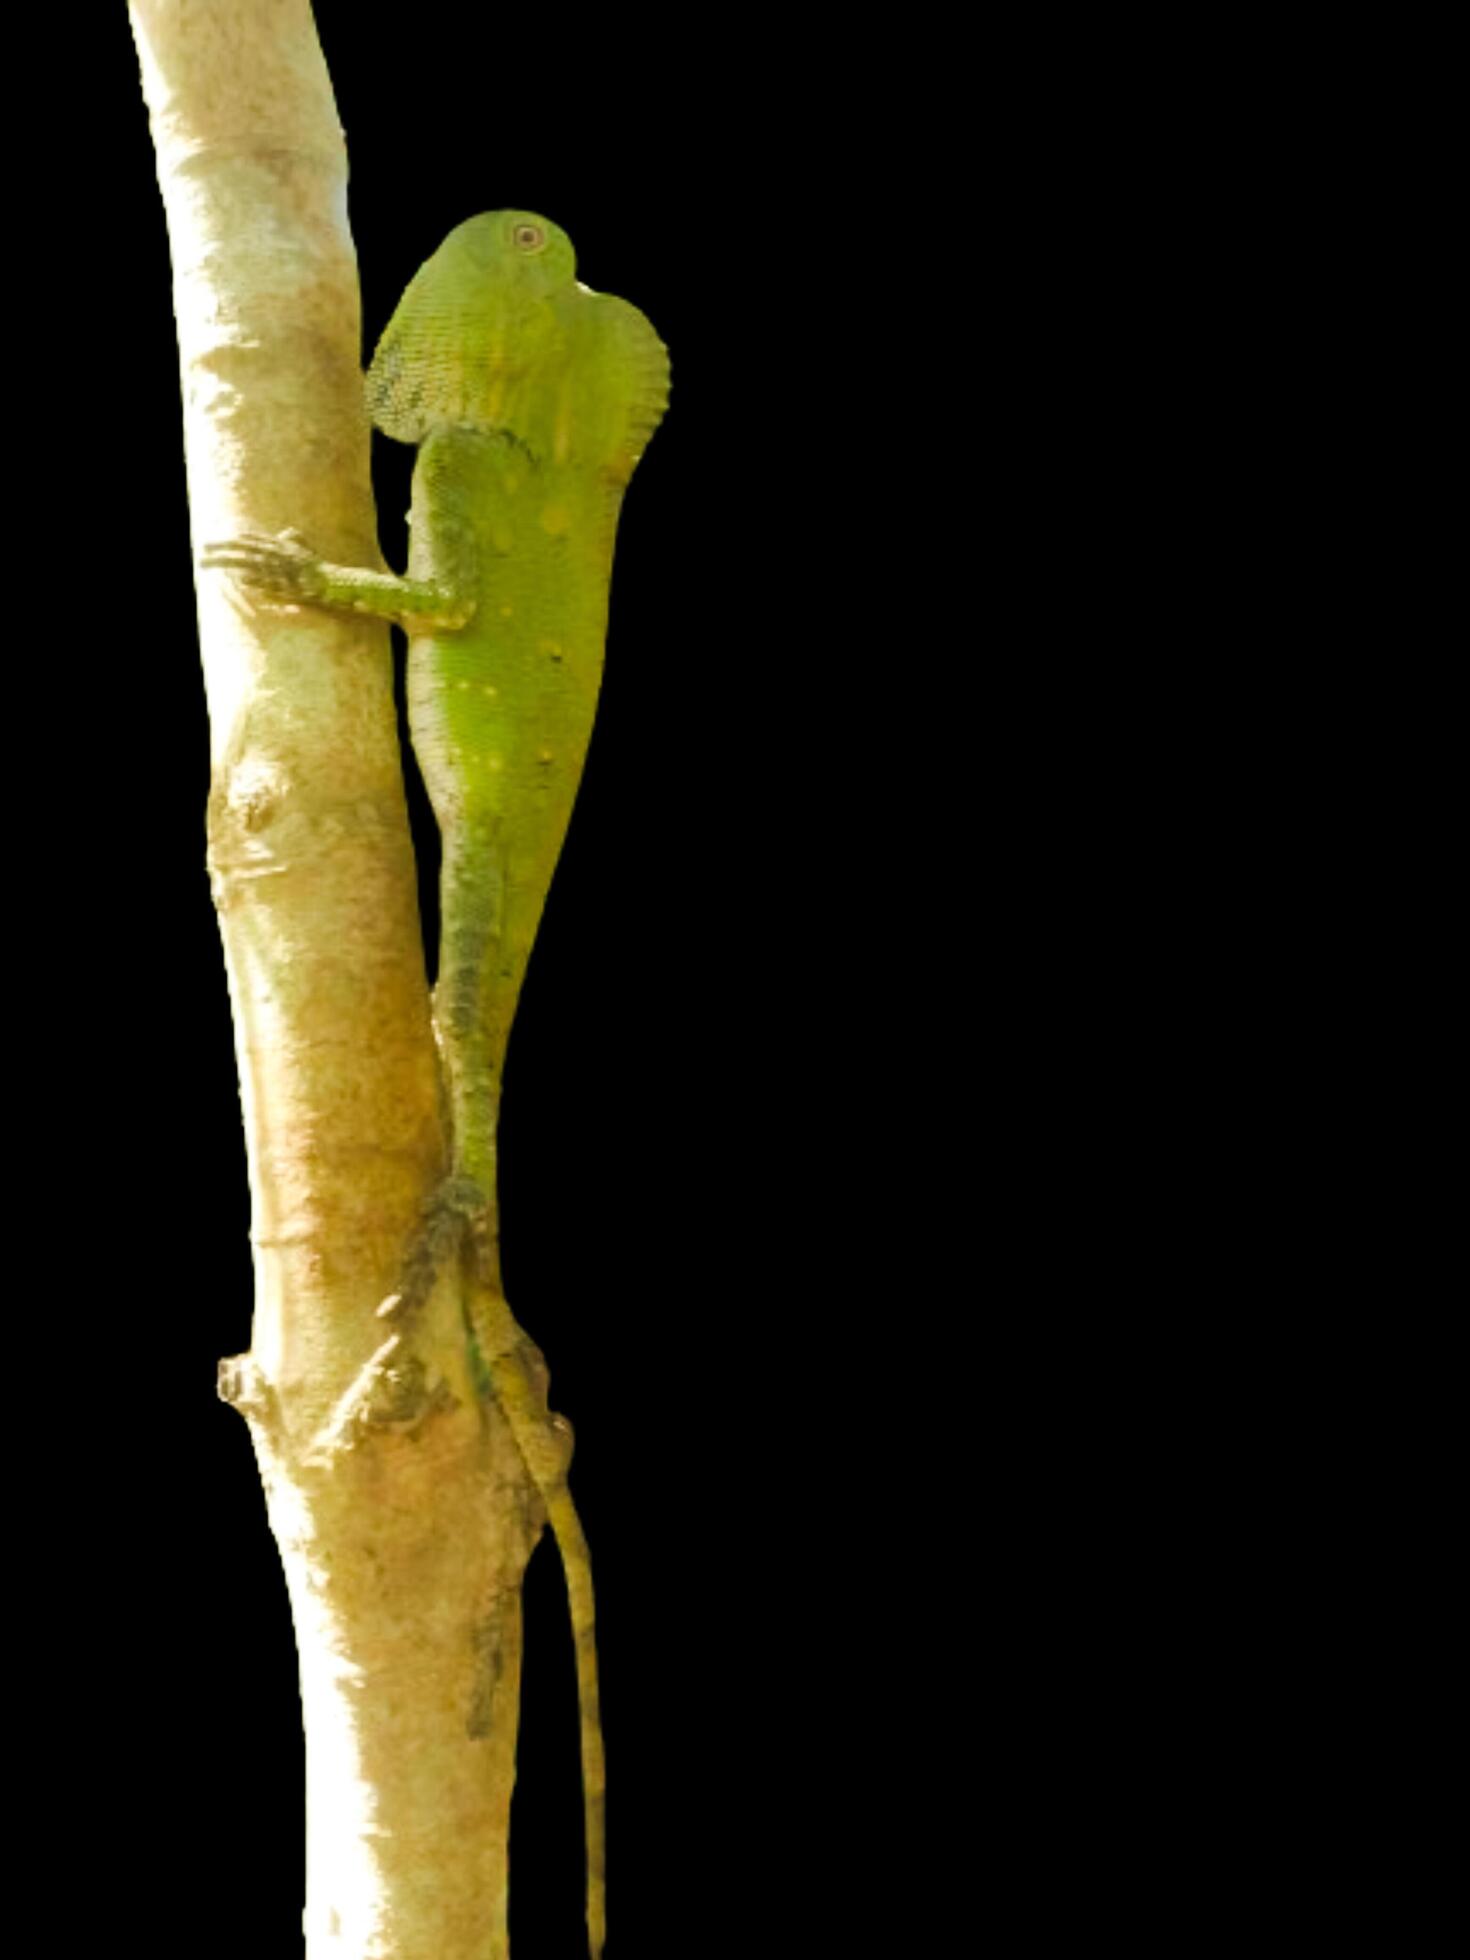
(577, 1565)
(545, 1448)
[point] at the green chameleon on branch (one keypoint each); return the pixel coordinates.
(530, 399)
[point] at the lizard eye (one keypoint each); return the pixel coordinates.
(530, 238)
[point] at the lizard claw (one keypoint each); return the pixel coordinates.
(283, 568)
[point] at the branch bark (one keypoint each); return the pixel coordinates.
(400, 1507)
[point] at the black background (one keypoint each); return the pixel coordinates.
(694, 1190)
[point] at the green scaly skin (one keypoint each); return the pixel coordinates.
(530, 399)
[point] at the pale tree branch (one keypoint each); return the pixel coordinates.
(400, 1507)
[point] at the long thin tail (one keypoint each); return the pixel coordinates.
(577, 1565)
(545, 1446)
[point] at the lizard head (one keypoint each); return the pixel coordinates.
(496, 330)
(504, 258)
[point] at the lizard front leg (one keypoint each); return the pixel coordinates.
(284, 570)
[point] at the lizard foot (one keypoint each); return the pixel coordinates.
(283, 569)
(458, 1206)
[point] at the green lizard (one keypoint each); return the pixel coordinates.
(530, 399)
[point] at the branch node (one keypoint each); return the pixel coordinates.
(242, 1384)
